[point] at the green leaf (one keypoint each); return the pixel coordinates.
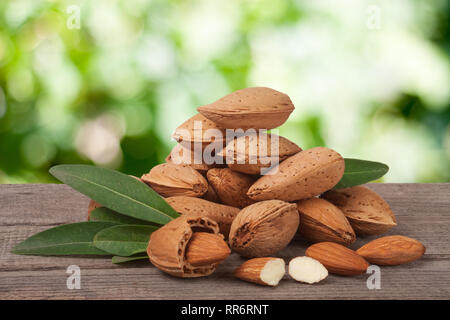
(124, 240)
(118, 260)
(68, 239)
(361, 171)
(116, 191)
(108, 215)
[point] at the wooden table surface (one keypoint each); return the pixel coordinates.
(422, 210)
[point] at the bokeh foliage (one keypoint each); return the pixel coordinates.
(368, 78)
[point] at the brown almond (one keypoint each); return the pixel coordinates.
(257, 108)
(198, 129)
(322, 221)
(170, 179)
(301, 176)
(230, 186)
(263, 228)
(264, 271)
(206, 248)
(211, 195)
(167, 247)
(195, 207)
(367, 212)
(392, 250)
(253, 152)
(337, 258)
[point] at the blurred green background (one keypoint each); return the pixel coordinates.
(106, 82)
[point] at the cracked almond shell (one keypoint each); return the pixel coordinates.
(301, 176)
(231, 187)
(323, 221)
(367, 212)
(257, 108)
(167, 246)
(263, 228)
(195, 207)
(170, 179)
(251, 153)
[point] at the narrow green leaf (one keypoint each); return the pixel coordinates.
(116, 191)
(68, 239)
(124, 240)
(118, 259)
(361, 171)
(108, 215)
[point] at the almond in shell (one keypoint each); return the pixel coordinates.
(170, 248)
(257, 108)
(322, 221)
(231, 187)
(301, 176)
(367, 212)
(392, 250)
(337, 258)
(256, 151)
(170, 179)
(201, 130)
(195, 207)
(181, 155)
(263, 228)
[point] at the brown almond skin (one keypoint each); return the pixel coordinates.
(301, 176)
(206, 248)
(167, 246)
(231, 187)
(367, 212)
(170, 180)
(263, 228)
(246, 155)
(251, 269)
(197, 136)
(257, 108)
(322, 221)
(392, 250)
(195, 207)
(337, 258)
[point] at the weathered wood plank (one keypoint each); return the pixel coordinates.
(423, 212)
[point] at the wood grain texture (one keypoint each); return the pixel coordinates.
(422, 211)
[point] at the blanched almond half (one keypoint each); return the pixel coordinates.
(265, 271)
(306, 269)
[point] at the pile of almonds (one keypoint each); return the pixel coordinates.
(258, 215)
